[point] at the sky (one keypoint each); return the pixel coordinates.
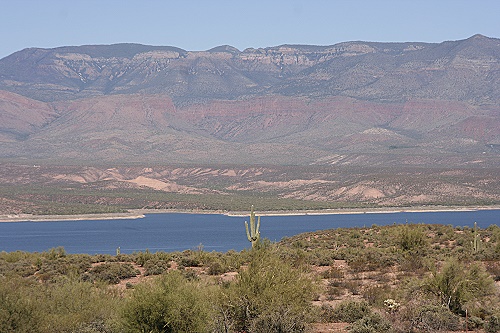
(196, 25)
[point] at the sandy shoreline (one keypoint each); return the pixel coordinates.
(140, 213)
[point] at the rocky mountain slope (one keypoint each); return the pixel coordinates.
(351, 103)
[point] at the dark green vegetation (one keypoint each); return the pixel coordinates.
(401, 278)
(58, 200)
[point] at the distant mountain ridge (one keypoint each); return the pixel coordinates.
(465, 70)
(348, 103)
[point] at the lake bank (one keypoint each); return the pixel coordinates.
(141, 213)
(171, 232)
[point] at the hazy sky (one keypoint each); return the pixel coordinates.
(203, 24)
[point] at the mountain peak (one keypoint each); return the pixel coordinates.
(478, 36)
(225, 48)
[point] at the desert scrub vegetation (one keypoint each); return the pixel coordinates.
(399, 278)
(74, 199)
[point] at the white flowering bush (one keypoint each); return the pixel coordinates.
(392, 305)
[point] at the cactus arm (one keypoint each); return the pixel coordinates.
(248, 233)
(257, 231)
(477, 238)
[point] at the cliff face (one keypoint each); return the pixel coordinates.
(465, 70)
(350, 103)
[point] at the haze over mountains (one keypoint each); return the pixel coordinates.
(355, 103)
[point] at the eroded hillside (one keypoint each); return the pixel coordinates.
(75, 189)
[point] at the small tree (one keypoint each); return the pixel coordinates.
(412, 239)
(269, 296)
(457, 284)
(170, 304)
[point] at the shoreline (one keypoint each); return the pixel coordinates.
(141, 213)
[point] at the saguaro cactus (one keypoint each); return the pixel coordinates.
(253, 234)
(477, 238)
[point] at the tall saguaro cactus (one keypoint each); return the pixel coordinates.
(253, 234)
(477, 238)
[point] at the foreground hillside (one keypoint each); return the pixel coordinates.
(401, 278)
(353, 103)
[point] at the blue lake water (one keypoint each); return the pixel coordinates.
(178, 232)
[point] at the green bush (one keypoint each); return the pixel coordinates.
(156, 266)
(457, 284)
(269, 296)
(70, 305)
(18, 312)
(376, 295)
(493, 324)
(429, 318)
(333, 273)
(111, 272)
(349, 311)
(411, 238)
(66, 306)
(372, 323)
(169, 304)
(474, 323)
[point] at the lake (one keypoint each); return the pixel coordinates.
(177, 232)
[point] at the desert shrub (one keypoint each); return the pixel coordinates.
(55, 253)
(334, 289)
(349, 311)
(98, 326)
(18, 311)
(372, 323)
(190, 274)
(22, 267)
(233, 260)
(72, 305)
(216, 268)
(333, 273)
(142, 257)
(65, 306)
(156, 266)
(169, 304)
(297, 257)
(11, 257)
(429, 318)
(376, 295)
(457, 284)
(278, 321)
(154, 263)
(50, 270)
(269, 296)
(48, 266)
(492, 324)
(353, 286)
(111, 272)
(414, 263)
(411, 238)
(493, 267)
(189, 259)
(321, 257)
(474, 323)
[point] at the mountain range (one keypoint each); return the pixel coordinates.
(353, 103)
